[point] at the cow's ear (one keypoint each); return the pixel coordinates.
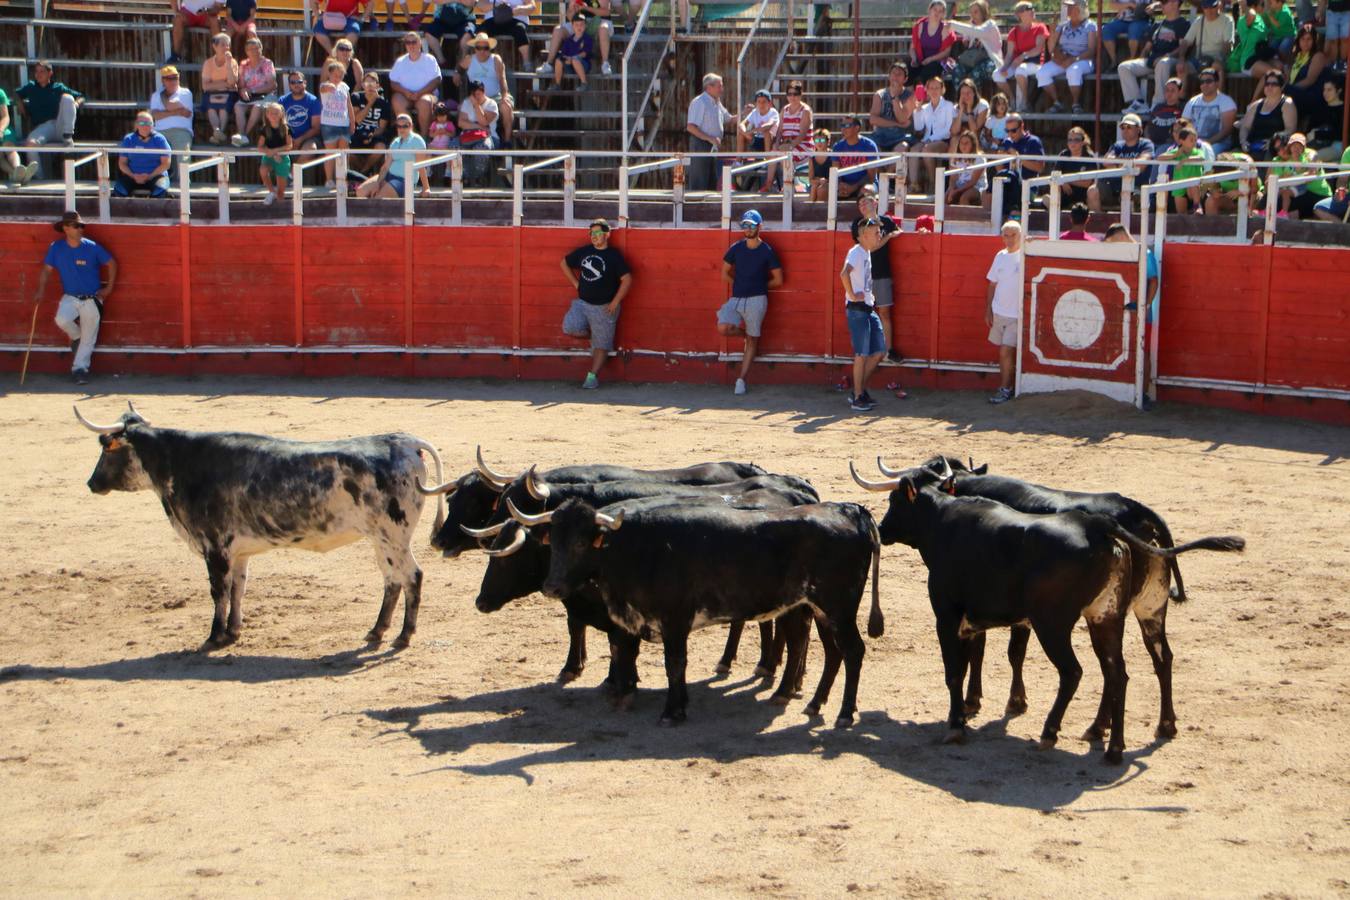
(981, 469)
(543, 539)
(599, 540)
(950, 485)
(910, 492)
(114, 444)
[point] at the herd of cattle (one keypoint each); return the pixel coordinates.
(654, 554)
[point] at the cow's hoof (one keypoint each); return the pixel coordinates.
(843, 722)
(1113, 757)
(1046, 743)
(1016, 706)
(1165, 730)
(401, 642)
(1094, 733)
(762, 671)
(669, 721)
(812, 709)
(723, 668)
(374, 638)
(780, 700)
(971, 707)
(954, 736)
(566, 676)
(623, 702)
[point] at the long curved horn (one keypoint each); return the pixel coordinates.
(491, 477)
(491, 531)
(97, 429)
(538, 490)
(880, 487)
(528, 521)
(609, 523)
(517, 542)
(448, 488)
(946, 469)
(136, 412)
(887, 470)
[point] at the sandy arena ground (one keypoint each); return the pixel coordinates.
(298, 763)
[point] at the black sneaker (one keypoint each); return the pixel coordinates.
(894, 355)
(867, 398)
(861, 404)
(81, 376)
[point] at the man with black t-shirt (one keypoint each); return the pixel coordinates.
(883, 288)
(602, 279)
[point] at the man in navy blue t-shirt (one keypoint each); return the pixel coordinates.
(751, 269)
(78, 261)
(1019, 142)
(302, 110)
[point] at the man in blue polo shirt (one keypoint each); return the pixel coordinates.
(144, 171)
(78, 261)
(752, 269)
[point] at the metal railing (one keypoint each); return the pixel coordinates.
(995, 191)
(221, 164)
(415, 167)
(519, 172)
(897, 160)
(628, 173)
(789, 185)
(1125, 173)
(298, 181)
(623, 74)
(100, 160)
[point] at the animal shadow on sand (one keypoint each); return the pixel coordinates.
(730, 721)
(189, 665)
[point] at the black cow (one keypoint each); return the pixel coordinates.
(520, 561)
(670, 569)
(474, 496)
(990, 566)
(232, 496)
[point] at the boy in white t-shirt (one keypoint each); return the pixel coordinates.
(864, 326)
(1005, 306)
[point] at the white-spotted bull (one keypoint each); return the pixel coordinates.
(232, 496)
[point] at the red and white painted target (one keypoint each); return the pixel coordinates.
(1076, 330)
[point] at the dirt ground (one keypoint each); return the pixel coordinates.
(298, 761)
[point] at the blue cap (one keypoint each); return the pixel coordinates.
(751, 217)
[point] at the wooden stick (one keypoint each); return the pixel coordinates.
(32, 330)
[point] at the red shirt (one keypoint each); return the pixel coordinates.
(348, 8)
(1072, 235)
(1024, 39)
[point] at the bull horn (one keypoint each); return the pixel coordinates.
(538, 490)
(517, 541)
(887, 470)
(97, 429)
(609, 523)
(970, 463)
(136, 412)
(946, 469)
(490, 531)
(497, 482)
(528, 521)
(878, 486)
(448, 488)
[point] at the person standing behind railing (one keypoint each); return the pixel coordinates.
(50, 108)
(707, 122)
(143, 172)
(78, 261)
(171, 107)
(374, 124)
(854, 149)
(1019, 143)
(337, 116)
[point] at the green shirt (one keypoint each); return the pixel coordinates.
(1282, 26)
(1319, 186)
(10, 136)
(1249, 37)
(1180, 172)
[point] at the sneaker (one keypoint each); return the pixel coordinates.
(581, 87)
(67, 140)
(605, 68)
(24, 174)
(81, 376)
(545, 68)
(1003, 395)
(1078, 109)
(740, 386)
(1056, 108)
(894, 355)
(330, 184)
(1138, 106)
(591, 382)
(860, 404)
(867, 398)
(269, 199)
(239, 140)
(217, 136)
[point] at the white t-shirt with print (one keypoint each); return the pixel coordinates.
(1006, 274)
(335, 112)
(860, 274)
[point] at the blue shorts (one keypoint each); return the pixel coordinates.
(1331, 205)
(396, 183)
(353, 26)
(334, 133)
(1338, 25)
(1137, 29)
(864, 331)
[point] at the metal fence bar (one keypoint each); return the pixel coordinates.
(72, 165)
(221, 164)
(415, 166)
(298, 184)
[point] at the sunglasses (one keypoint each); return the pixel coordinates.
(1208, 80)
(403, 125)
(411, 41)
(1078, 140)
(598, 232)
(295, 82)
(821, 141)
(1273, 84)
(79, 225)
(170, 77)
(794, 93)
(145, 122)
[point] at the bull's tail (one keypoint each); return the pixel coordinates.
(1164, 539)
(440, 498)
(1223, 544)
(876, 622)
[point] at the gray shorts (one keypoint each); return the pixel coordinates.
(1004, 332)
(744, 312)
(883, 292)
(592, 319)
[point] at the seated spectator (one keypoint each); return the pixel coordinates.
(477, 131)
(220, 87)
(852, 150)
(374, 124)
(303, 113)
(574, 53)
(599, 28)
(1076, 157)
(1281, 30)
(1132, 23)
(337, 118)
(1249, 37)
(1300, 200)
(275, 144)
(1019, 142)
(1267, 115)
(1077, 230)
(192, 14)
(931, 43)
(143, 173)
(9, 160)
(1162, 56)
(508, 18)
(257, 90)
(822, 160)
(1132, 145)
(414, 21)
(1336, 208)
(1162, 117)
(453, 20)
(50, 108)
(354, 73)
(984, 45)
(1222, 197)
(935, 120)
(1211, 37)
(392, 179)
(966, 188)
(1213, 112)
(1324, 124)
(892, 125)
(338, 17)
(757, 128)
(171, 107)
(995, 126)
(489, 70)
(1306, 71)
(415, 82)
(241, 23)
(1073, 48)
(1204, 145)
(972, 110)
(1027, 41)
(794, 134)
(443, 131)
(1189, 159)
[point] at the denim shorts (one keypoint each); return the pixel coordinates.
(1137, 29)
(334, 133)
(396, 183)
(864, 331)
(1338, 25)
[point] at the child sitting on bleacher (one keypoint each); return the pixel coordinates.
(274, 142)
(441, 134)
(575, 53)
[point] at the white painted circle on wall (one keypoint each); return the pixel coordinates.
(1079, 319)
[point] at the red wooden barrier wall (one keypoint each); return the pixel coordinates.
(1253, 314)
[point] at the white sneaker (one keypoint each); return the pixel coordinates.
(269, 199)
(239, 140)
(1138, 106)
(545, 68)
(217, 136)
(605, 68)
(740, 386)
(24, 174)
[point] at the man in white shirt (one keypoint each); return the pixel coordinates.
(172, 109)
(1005, 306)
(1213, 112)
(416, 81)
(933, 121)
(707, 122)
(864, 326)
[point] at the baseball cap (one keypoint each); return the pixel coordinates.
(752, 217)
(168, 70)
(1298, 137)
(852, 122)
(1132, 119)
(1209, 4)
(763, 93)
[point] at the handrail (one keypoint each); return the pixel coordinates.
(995, 190)
(627, 173)
(100, 158)
(298, 185)
(831, 213)
(623, 72)
(569, 185)
(417, 165)
(745, 48)
(789, 186)
(221, 163)
(1126, 173)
